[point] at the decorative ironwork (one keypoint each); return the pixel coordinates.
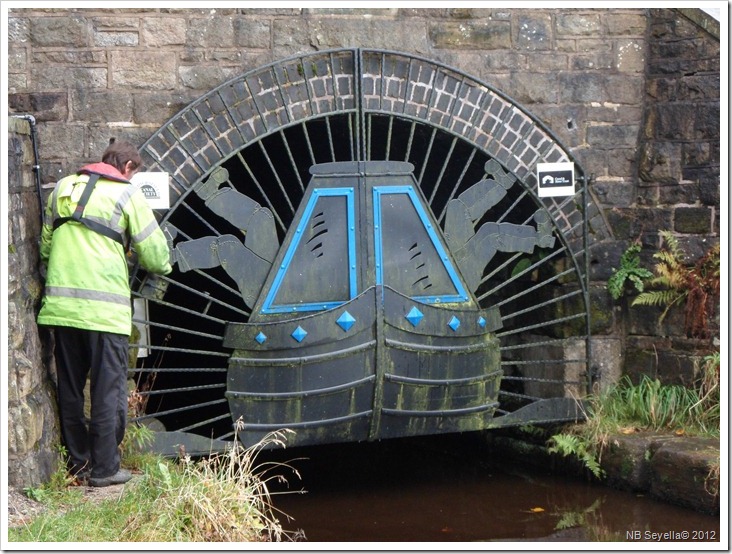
(239, 158)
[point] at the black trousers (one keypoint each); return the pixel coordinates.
(78, 354)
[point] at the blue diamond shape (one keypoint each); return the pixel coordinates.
(260, 338)
(346, 321)
(299, 334)
(414, 316)
(481, 321)
(454, 323)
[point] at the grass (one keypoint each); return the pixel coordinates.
(221, 498)
(647, 406)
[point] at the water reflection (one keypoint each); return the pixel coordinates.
(450, 489)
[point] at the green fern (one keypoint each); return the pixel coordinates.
(573, 446)
(629, 270)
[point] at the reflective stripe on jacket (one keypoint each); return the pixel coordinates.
(87, 279)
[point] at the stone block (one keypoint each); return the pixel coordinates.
(630, 56)
(70, 57)
(534, 32)
(44, 106)
(145, 70)
(490, 35)
(16, 59)
(205, 77)
(408, 35)
(55, 78)
(101, 106)
(62, 141)
(606, 360)
(154, 107)
(18, 30)
(612, 136)
(709, 190)
(627, 460)
(660, 162)
(693, 220)
(70, 31)
(210, 32)
(683, 473)
(624, 23)
(252, 33)
(163, 31)
(106, 39)
(568, 24)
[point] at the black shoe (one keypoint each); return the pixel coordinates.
(122, 476)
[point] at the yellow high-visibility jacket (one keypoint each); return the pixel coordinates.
(87, 279)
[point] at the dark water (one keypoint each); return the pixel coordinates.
(452, 489)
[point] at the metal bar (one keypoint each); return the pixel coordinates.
(548, 361)
(183, 409)
(518, 395)
(181, 389)
(442, 171)
(330, 138)
(586, 282)
(441, 382)
(202, 294)
(303, 424)
(427, 155)
(512, 279)
(173, 328)
(552, 342)
(186, 350)
(410, 141)
(181, 369)
(303, 359)
(440, 413)
(276, 176)
(292, 160)
(535, 287)
(541, 305)
(455, 188)
(388, 137)
(195, 214)
(186, 310)
(261, 191)
(227, 415)
(540, 325)
(309, 144)
(301, 393)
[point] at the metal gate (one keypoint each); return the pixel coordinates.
(240, 159)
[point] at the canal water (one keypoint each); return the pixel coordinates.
(450, 488)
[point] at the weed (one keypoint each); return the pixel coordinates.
(629, 271)
(696, 286)
(221, 498)
(628, 407)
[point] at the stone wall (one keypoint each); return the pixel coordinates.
(33, 429)
(676, 188)
(632, 92)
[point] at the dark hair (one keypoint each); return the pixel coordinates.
(118, 153)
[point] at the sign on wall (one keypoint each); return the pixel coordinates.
(155, 187)
(555, 179)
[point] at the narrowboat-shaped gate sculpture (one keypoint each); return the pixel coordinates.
(412, 285)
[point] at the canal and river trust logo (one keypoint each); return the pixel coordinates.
(555, 179)
(155, 186)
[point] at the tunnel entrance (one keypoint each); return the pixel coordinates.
(261, 134)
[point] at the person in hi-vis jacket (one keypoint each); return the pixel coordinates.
(91, 220)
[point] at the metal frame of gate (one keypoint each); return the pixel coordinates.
(268, 126)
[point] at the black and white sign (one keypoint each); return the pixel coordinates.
(555, 179)
(155, 187)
